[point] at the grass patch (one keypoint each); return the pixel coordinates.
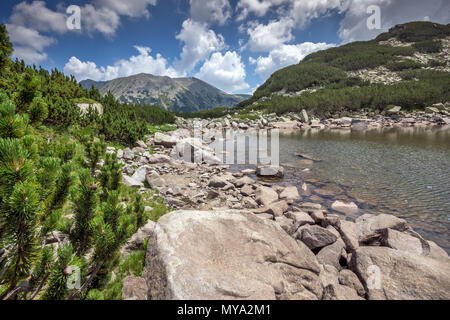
(152, 129)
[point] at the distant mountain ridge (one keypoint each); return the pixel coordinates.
(172, 94)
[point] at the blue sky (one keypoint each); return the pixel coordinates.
(234, 45)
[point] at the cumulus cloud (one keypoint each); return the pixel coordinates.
(142, 63)
(102, 20)
(226, 72)
(131, 8)
(284, 56)
(258, 7)
(29, 44)
(199, 43)
(211, 11)
(270, 36)
(37, 16)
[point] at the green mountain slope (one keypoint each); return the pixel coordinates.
(172, 94)
(407, 66)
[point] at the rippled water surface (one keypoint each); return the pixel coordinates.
(404, 171)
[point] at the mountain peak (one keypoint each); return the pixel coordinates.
(173, 94)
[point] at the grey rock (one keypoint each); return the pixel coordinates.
(402, 241)
(346, 208)
(217, 182)
(243, 181)
(371, 226)
(141, 144)
(140, 173)
(340, 292)
(137, 240)
(164, 140)
(200, 255)
(316, 237)
(134, 289)
(249, 203)
(247, 190)
(266, 196)
(290, 193)
(350, 279)
(331, 254)
(128, 154)
(130, 182)
(398, 275)
(349, 233)
(270, 171)
(278, 208)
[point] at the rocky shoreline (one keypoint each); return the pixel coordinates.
(435, 115)
(291, 249)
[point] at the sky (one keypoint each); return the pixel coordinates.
(234, 45)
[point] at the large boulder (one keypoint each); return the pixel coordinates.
(164, 140)
(203, 255)
(398, 275)
(85, 107)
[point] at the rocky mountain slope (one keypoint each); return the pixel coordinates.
(172, 94)
(407, 66)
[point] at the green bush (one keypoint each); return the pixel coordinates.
(404, 65)
(428, 46)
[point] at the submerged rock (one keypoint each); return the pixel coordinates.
(343, 207)
(270, 171)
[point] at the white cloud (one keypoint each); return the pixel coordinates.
(199, 43)
(268, 37)
(284, 56)
(29, 55)
(226, 72)
(258, 7)
(131, 8)
(29, 44)
(37, 16)
(142, 63)
(213, 11)
(29, 37)
(102, 20)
